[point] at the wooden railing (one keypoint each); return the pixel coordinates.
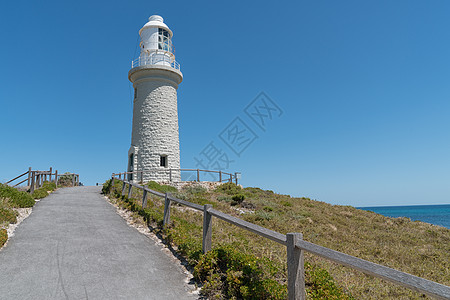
(36, 178)
(295, 247)
(222, 176)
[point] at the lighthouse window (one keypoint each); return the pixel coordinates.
(163, 161)
(135, 94)
(164, 40)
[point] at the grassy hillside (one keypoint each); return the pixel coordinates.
(244, 265)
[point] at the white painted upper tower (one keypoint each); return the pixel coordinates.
(155, 76)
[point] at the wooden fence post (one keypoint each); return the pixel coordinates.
(231, 178)
(123, 188)
(78, 179)
(166, 219)
(50, 175)
(56, 178)
(198, 175)
(130, 190)
(220, 176)
(295, 268)
(73, 179)
(144, 199)
(29, 176)
(32, 182)
(207, 229)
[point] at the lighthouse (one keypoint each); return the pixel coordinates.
(155, 74)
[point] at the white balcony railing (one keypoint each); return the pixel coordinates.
(156, 59)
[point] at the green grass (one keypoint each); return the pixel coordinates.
(161, 187)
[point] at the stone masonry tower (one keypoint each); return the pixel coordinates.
(155, 75)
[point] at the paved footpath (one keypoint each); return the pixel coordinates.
(75, 246)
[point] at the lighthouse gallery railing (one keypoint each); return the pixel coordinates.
(157, 58)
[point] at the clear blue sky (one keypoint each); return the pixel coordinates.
(363, 86)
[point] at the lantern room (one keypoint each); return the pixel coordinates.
(156, 44)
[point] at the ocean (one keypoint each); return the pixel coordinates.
(433, 214)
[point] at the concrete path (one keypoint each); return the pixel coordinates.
(75, 246)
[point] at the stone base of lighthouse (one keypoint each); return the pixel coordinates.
(155, 148)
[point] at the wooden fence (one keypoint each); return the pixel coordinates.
(222, 176)
(36, 178)
(295, 247)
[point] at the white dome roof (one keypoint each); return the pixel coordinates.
(156, 21)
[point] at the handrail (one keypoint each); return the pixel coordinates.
(157, 58)
(37, 177)
(17, 177)
(296, 283)
(230, 177)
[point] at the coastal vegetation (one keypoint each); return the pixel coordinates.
(242, 265)
(12, 199)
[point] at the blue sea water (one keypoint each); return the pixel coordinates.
(434, 214)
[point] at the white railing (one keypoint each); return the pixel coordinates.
(156, 59)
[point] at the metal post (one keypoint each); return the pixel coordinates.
(207, 229)
(295, 268)
(198, 175)
(166, 219)
(29, 176)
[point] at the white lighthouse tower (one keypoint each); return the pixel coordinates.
(155, 147)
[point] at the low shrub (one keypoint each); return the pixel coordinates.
(228, 188)
(65, 180)
(7, 215)
(230, 274)
(194, 190)
(224, 199)
(42, 192)
(3, 237)
(39, 194)
(15, 198)
(49, 186)
(321, 285)
(238, 198)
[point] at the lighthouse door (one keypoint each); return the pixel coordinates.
(130, 166)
